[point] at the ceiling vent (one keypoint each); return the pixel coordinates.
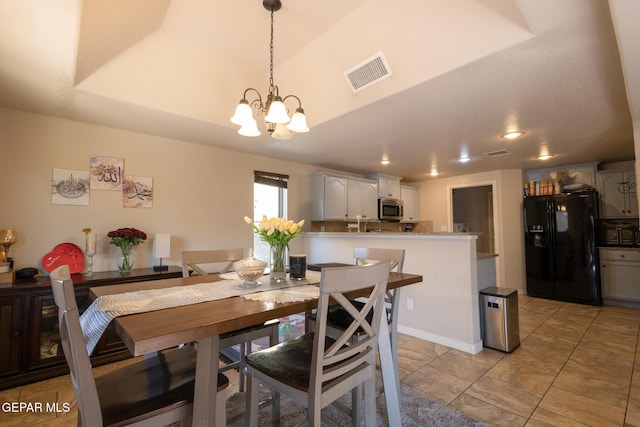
(368, 72)
(497, 153)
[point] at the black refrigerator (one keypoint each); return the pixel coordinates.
(560, 240)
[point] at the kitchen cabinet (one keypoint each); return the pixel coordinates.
(362, 199)
(618, 195)
(328, 197)
(30, 345)
(619, 272)
(341, 197)
(410, 196)
(388, 186)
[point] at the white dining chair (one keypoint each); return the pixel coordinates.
(196, 263)
(339, 319)
(314, 369)
(155, 391)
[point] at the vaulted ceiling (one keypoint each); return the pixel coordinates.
(463, 73)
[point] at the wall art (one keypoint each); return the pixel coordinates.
(70, 187)
(137, 192)
(106, 173)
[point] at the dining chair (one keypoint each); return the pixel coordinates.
(154, 391)
(194, 263)
(339, 319)
(314, 369)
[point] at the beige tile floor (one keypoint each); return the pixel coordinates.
(577, 366)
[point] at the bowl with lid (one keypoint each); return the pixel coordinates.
(249, 270)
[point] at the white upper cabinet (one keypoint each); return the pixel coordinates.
(328, 197)
(362, 199)
(411, 198)
(388, 186)
(618, 195)
(341, 197)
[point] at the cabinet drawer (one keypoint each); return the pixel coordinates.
(632, 255)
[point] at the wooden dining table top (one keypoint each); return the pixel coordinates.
(157, 330)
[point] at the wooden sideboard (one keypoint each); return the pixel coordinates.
(30, 348)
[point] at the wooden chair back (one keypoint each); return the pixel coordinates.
(396, 259)
(366, 255)
(75, 350)
(345, 358)
(159, 389)
(195, 260)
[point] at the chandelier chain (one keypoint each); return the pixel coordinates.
(271, 55)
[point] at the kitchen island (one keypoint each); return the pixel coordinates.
(444, 308)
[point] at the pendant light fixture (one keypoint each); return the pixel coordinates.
(278, 122)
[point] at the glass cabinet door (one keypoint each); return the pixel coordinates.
(46, 347)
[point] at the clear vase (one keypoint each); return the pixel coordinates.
(278, 272)
(126, 262)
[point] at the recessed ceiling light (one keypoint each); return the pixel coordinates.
(513, 135)
(544, 157)
(464, 159)
(384, 162)
(434, 172)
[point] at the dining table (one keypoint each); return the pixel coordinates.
(204, 322)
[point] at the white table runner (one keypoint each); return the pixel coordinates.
(104, 309)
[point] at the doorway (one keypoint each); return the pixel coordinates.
(472, 211)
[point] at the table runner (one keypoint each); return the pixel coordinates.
(104, 309)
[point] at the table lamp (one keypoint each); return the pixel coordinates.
(161, 249)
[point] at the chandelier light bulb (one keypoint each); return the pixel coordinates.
(249, 129)
(277, 112)
(281, 132)
(298, 122)
(242, 114)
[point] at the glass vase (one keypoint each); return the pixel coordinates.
(278, 272)
(90, 248)
(126, 262)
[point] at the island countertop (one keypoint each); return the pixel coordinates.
(443, 235)
(394, 234)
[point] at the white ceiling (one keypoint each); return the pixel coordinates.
(464, 72)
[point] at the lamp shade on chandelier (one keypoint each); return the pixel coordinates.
(273, 108)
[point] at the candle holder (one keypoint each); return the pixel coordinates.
(90, 249)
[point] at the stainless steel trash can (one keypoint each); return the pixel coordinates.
(499, 315)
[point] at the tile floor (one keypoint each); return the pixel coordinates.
(577, 365)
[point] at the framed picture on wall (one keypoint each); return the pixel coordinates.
(106, 173)
(137, 192)
(70, 187)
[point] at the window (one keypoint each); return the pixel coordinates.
(270, 199)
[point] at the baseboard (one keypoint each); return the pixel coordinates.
(474, 348)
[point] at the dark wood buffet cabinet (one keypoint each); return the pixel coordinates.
(30, 348)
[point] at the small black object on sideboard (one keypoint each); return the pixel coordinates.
(30, 348)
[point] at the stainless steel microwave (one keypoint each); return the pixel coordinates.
(390, 209)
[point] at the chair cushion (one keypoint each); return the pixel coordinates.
(149, 385)
(288, 362)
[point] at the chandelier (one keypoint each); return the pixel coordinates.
(277, 121)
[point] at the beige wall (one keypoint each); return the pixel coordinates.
(435, 204)
(200, 193)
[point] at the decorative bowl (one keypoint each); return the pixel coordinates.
(249, 270)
